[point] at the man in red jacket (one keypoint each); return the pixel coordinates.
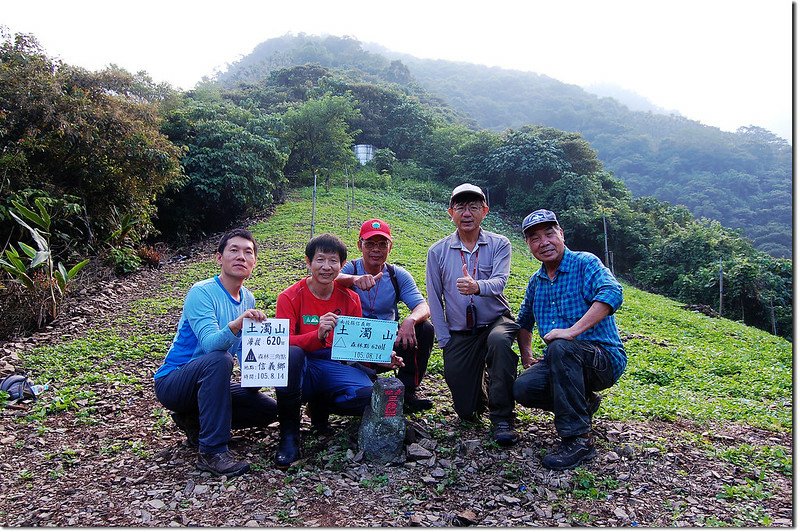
(312, 306)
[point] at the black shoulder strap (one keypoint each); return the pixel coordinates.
(355, 269)
(392, 276)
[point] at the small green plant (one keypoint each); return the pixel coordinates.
(375, 482)
(125, 234)
(750, 516)
(285, 517)
(582, 518)
(588, 486)
(746, 455)
(163, 421)
(138, 448)
(124, 260)
(69, 457)
(751, 489)
(45, 280)
(512, 471)
(111, 449)
(25, 474)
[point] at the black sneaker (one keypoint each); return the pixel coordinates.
(412, 403)
(222, 464)
(593, 403)
(504, 433)
(572, 452)
(190, 425)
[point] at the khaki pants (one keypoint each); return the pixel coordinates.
(481, 362)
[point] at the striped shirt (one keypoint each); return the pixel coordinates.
(581, 279)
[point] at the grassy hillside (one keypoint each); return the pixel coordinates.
(696, 433)
(742, 179)
(682, 364)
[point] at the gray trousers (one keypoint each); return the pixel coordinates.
(480, 369)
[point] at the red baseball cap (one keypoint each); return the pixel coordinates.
(374, 227)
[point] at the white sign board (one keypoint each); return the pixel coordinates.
(363, 339)
(265, 353)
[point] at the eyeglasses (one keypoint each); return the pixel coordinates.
(474, 208)
(382, 245)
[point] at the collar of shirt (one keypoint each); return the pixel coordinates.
(455, 241)
(565, 266)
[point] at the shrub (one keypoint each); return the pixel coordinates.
(36, 282)
(124, 260)
(368, 178)
(233, 166)
(92, 135)
(149, 256)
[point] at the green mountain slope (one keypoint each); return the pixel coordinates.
(742, 179)
(682, 364)
(696, 433)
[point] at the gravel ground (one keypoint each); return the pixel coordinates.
(129, 465)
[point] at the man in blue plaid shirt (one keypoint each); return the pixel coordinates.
(572, 299)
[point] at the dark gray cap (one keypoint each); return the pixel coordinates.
(537, 217)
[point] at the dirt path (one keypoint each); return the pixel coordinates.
(127, 465)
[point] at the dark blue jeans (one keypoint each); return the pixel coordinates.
(313, 377)
(203, 387)
(415, 358)
(563, 380)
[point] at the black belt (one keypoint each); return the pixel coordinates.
(470, 332)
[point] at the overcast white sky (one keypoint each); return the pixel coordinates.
(726, 63)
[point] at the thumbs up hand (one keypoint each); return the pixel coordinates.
(466, 285)
(367, 281)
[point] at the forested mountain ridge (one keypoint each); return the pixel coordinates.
(107, 163)
(741, 179)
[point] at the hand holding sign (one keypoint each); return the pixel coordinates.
(364, 340)
(265, 352)
(327, 322)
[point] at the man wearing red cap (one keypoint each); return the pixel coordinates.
(380, 286)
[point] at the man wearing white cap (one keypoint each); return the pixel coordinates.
(572, 299)
(465, 276)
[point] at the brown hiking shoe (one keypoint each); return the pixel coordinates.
(222, 464)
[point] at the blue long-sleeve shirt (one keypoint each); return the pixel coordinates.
(203, 326)
(581, 279)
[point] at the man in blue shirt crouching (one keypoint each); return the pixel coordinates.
(195, 379)
(572, 299)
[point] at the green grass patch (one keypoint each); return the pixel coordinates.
(155, 306)
(681, 364)
(81, 366)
